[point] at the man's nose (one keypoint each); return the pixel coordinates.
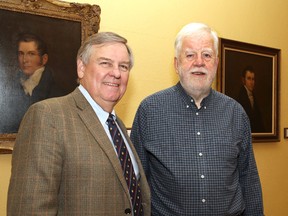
(199, 61)
(116, 72)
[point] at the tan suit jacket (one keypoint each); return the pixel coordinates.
(64, 164)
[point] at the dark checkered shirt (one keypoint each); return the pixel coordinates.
(199, 162)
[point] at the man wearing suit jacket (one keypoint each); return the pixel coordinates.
(64, 162)
(246, 98)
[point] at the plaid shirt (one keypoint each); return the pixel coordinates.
(198, 161)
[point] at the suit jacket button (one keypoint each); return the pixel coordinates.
(128, 211)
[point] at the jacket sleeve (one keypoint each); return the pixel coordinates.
(36, 165)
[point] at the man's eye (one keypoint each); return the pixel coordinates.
(190, 56)
(105, 64)
(207, 55)
(31, 54)
(124, 68)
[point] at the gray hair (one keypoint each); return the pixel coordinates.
(85, 51)
(194, 28)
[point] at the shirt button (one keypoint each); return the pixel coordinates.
(198, 133)
(187, 106)
(202, 176)
(197, 113)
(203, 200)
(205, 107)
(200, 154)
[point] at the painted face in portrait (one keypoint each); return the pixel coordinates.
(29, 58)
(106, 75)
(249, 80)
(197, 64)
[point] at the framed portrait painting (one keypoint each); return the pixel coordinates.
(249, 73)
(60, 27)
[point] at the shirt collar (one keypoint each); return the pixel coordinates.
(188, 99)
(250, 93)
(30, 82)
(101, 114)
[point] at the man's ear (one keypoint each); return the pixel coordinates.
(80, 68)
(217, 60)
(176, 64)
(45, 59)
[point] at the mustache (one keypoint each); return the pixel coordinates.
(198, 70)
(194, 70)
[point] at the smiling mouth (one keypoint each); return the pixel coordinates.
(112, 84)
(198, 73)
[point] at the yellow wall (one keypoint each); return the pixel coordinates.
(150, 27)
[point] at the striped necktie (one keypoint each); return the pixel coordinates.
(127, 166)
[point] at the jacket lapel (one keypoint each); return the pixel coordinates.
(90, 119)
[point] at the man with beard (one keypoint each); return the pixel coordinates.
(194, 142)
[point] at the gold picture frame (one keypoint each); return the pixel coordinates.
(79, 20)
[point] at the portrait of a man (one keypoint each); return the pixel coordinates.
(248, 79)
(249, 73)
(248, 100)
(37, 61)
(33, 81)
